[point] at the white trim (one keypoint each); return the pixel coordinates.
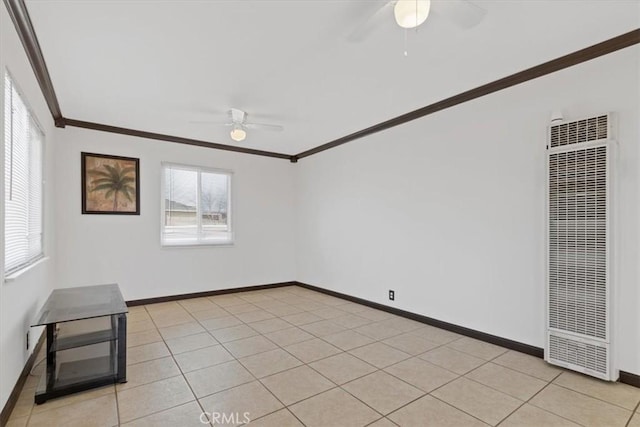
(225, 244)
(31, 265)
(196, 168)
(195, 243)
(579, 146)
(612, 241)
(583, 337)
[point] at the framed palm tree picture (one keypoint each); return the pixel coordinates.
(110, 184)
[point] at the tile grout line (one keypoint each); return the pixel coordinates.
(181, 374)
(337, 386)
(33, 405)
(115, 392)
(30, 413)
(255, 378)
(307, 364)
(592, 397)
(307, 298)
(500, 391)
(258, 380)
(455, 379)
(161, 410)
(340, 386)
(404, 360)
(213, 345)
(371, 321)
(190, 314)
(506, 367)
(380, 419)
(347, 352)
(375, 410)
(284, 406)
(636, 409)
(527, 401)
(458, 409)
(544, 409)
(402, 380)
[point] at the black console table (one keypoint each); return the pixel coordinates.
(86, 340)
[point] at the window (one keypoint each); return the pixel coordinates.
(22, 182)
(196, 206)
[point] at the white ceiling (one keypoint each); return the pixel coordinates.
(156, 65)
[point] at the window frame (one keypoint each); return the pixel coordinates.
(33, 121)
(230, 206)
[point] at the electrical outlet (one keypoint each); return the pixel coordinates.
(392, 295)
(28, 340)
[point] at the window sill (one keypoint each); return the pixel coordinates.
(197, 245)
(16, 274)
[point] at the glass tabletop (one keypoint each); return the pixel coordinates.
(84, 302)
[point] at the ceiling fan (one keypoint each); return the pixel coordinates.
(413, 13)
(240, 125)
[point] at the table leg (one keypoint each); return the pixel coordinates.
(51, 357)
(122, 348)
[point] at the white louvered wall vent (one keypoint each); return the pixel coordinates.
(591, 129)
(578, 285)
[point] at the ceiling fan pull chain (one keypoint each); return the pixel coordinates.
(406, 50)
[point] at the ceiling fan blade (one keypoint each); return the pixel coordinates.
(210, 122)
(262, 126)
(370, 20)
(462, 13)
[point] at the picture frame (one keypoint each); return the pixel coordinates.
(110, 184)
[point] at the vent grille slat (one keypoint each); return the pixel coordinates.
(577, 241)
(591, 129)
(577, 353)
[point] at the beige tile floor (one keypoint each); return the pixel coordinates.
(292, 357)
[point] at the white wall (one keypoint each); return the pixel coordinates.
(21, 298)
(449, 210)
(126, 249)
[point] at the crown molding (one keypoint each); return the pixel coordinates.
(608, 46)
(170, 138)
(20, 16)
(22, 21)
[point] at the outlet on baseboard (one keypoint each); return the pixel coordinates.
(392, 295)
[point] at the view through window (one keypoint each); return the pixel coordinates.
(196, 206)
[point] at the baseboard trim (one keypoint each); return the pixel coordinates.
(625, 377)
(133, 303)
(17, 389)
(629, 378)
(482, 336)
(493, 339)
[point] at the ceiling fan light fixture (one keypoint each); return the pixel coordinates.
(411, 13)
(238, 133)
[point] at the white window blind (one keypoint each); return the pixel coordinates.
(22, 182)
(196, 208)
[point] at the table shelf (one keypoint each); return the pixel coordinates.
(81, 340)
